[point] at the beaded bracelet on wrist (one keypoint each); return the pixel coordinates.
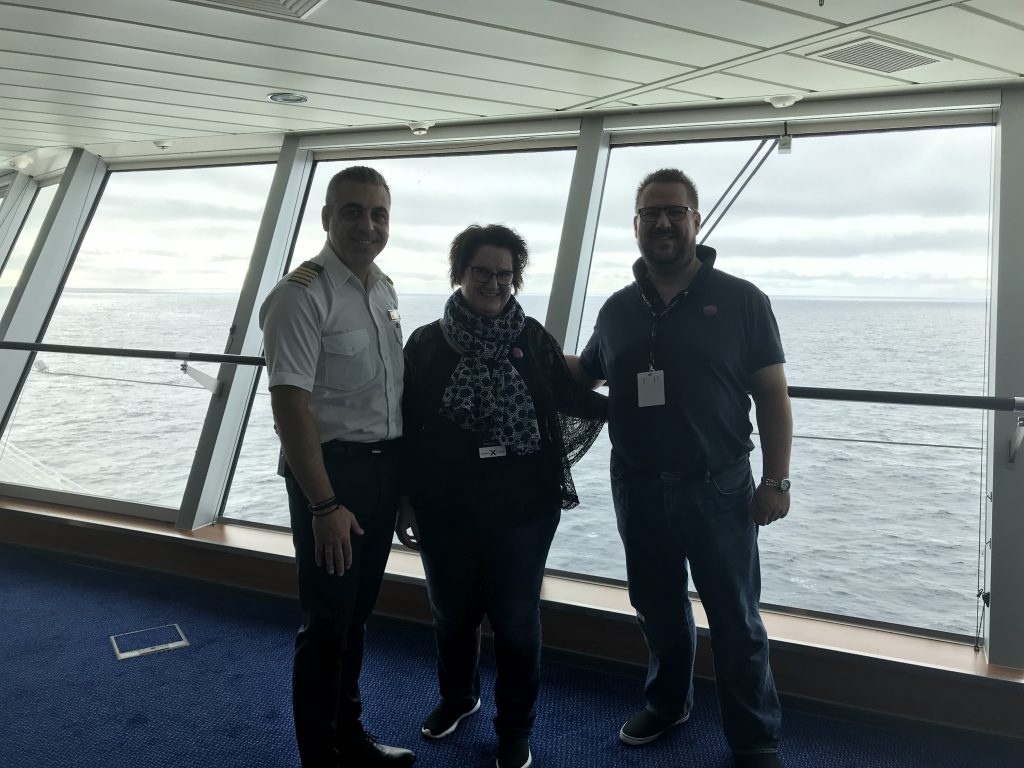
(325, 504)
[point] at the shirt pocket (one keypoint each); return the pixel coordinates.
(348, 363)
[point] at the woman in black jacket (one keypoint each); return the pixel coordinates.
(492, 421)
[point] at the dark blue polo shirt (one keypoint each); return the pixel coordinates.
(709, 343)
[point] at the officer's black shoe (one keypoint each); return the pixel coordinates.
(757, 760)
(362, 749)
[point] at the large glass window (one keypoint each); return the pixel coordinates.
(23, 245)
(432, 200)
(160, 267)
(874, 251)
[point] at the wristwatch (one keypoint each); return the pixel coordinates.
(781, 485)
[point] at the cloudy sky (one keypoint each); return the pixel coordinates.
(899, 214)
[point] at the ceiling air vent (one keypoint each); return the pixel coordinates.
(284, 9)
(876, 56)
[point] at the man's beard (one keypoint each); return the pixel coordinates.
(676, 257)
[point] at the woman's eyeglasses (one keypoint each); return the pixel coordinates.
(484, 275)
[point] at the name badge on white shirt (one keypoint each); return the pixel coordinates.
(394, 315)
(491, 451)
(650, 388)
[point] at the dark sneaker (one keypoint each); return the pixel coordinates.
(445, 719)
(757, 760)
(645, 726)
(363, 749)
(514, 752)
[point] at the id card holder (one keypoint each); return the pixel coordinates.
(650, 388)
(492, 451)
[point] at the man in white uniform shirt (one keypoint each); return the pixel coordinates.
(334, 357)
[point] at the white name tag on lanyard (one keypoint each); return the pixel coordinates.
(650, 388)
(491, 451)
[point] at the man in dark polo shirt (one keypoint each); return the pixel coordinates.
(682, 350)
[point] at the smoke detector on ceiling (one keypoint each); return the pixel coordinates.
(875, 55)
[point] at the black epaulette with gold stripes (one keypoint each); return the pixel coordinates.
(305, 273)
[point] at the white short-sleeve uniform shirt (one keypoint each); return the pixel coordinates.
(324, 333)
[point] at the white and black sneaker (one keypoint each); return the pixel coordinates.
(514, 752)
(445, 719)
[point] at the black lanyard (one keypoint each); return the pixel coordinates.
(656, 316)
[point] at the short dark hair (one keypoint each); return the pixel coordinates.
(469, 241)
(354, 174)
(668, 176)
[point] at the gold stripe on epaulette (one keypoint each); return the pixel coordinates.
(305, 273)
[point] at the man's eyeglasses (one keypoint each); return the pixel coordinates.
(484, 275)
(673, 212)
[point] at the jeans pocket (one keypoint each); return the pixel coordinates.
(736, 480)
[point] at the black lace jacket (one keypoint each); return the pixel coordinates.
(442, 465)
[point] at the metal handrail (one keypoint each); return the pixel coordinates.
(151, 354)
(977, 402)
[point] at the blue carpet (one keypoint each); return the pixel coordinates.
(225, 699)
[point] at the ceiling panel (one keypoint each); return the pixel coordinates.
(54, 134)
(852, 11)
(734, 20)
(668, 39)
(950, 70)
(105, 73)
(321, 38)
(382, 102)
(724, 86)
(27, 90)
(452, 34)
(176, 94)
(662, 96)
(1009, 10)
(966, 35)
(809, 75)
(150, 43)
(70, 115)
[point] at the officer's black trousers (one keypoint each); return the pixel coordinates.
(329, 644)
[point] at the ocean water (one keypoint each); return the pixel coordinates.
(886, 499)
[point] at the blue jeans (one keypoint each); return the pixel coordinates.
(667, 520)
(473, 570)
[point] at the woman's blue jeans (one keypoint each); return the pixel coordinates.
(669, 520)
(475, 569)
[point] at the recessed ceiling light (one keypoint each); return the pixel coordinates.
(421, 128)
(284, 97)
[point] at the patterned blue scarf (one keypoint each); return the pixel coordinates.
(485, 392)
